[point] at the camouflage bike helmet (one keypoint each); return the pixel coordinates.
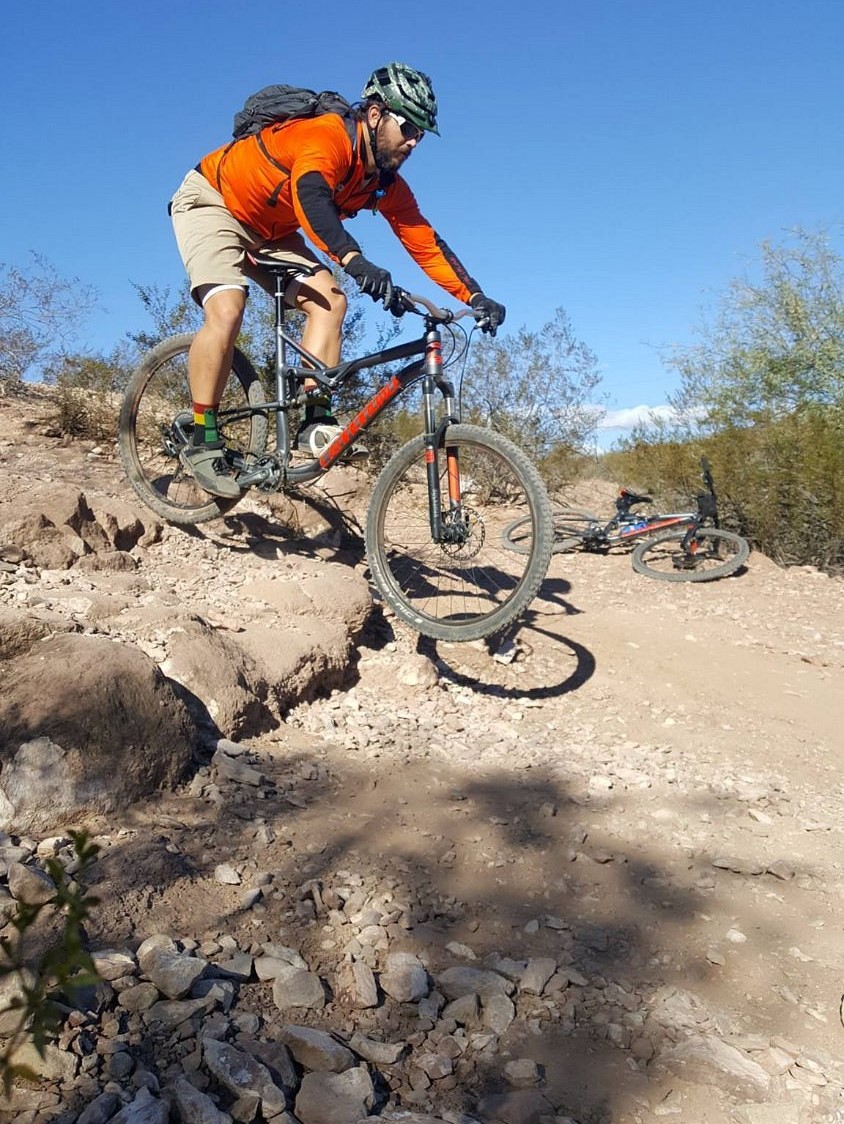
(407, 92)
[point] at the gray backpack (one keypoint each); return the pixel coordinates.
(275, 104)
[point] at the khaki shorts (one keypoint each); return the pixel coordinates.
(213, 243)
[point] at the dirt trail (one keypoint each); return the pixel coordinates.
(650, 794)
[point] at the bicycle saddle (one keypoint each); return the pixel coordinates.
(626, 499)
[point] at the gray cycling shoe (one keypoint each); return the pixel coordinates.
(208, 466)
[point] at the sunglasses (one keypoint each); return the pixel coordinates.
(409, 131)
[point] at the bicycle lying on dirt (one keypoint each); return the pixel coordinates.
(438, 507)
(684, 546)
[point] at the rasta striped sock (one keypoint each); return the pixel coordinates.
(205, 430)
(318, 408)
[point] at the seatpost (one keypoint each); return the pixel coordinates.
(282, 428)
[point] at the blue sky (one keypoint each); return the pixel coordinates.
(620, 158)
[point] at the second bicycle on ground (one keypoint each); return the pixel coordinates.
(683, 546)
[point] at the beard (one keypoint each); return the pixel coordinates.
(389, 162)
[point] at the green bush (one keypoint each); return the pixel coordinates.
(64, 968)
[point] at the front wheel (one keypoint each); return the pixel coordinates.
(712, 553)
(470, 587)
(156, 422)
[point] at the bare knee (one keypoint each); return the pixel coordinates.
(224, 313)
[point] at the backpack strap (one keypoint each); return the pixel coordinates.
(352, 131)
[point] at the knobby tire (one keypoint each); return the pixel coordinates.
(467, 591)
(158, 394)
(718, 553)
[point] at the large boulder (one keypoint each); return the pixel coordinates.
(227, 682)
(86, 725)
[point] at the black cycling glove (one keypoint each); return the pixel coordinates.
(372, 280)
(399, 303)
(488, 313)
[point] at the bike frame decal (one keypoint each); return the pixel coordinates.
(358, 424)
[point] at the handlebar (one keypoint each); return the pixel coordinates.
(411, 301)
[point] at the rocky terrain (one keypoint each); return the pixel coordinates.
(592, 877)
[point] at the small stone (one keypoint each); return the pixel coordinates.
(334, 1098)
(240, 1072)
(100, 1110)
(139, 998)
(737, 866)
(226, 875)
(299, 989)
(194, 1106)
(379, 1053)
(120, 1065)
(405, 978)
(29, 884)
(521, 1073)
(459, 981)
(168, 1014)
(464, 1010)
(144, 1109)
(237, 967)
(316, 1049)
(356, 984)
(172, 972)
(537, 974)
(497, 1013)
(461, 950)
(235, 770)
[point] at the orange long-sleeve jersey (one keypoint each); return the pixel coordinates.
(308, 174)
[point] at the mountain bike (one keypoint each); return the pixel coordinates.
(433, 527)
(679, 546)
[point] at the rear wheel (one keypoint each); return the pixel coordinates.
(570, 528)
(472, 586)
(712, 554)
(156, 422)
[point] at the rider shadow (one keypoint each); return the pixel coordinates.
(552, 591)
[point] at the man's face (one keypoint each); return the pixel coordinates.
(394, 141)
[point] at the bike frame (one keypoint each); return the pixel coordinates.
(288, 379)
(615, 531)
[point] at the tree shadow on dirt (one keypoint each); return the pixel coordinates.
(510, 863)
(517, 862)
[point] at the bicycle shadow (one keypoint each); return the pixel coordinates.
(509, 666)
(302, 526)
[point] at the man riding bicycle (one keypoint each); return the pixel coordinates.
(264, 192)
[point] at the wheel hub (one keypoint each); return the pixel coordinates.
(178, 435)
(466, 533)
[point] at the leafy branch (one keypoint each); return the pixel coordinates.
(65, 967)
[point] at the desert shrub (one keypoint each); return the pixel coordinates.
(88, 394)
